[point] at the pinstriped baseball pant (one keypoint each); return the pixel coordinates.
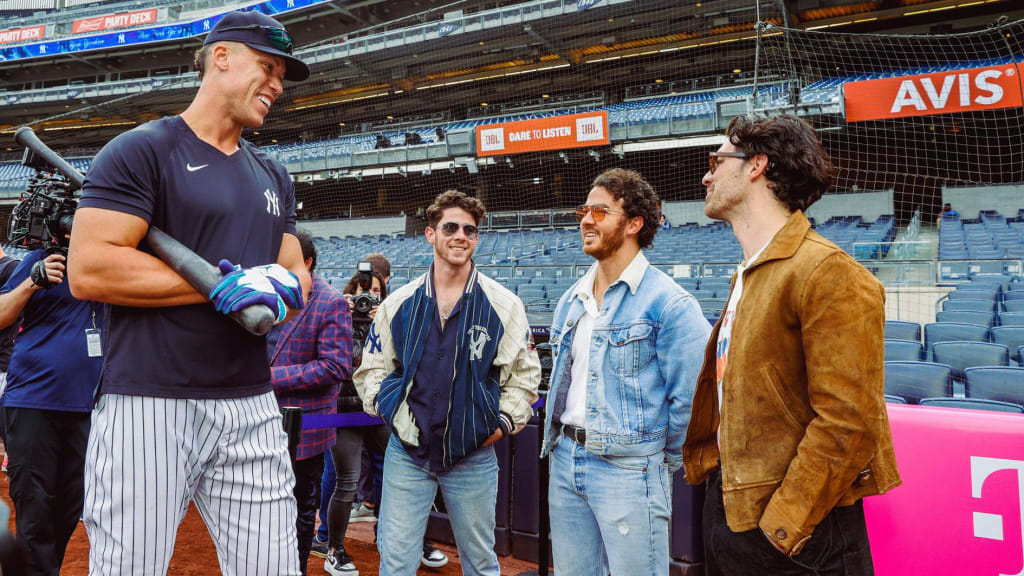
(148, 457)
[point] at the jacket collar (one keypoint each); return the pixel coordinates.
(286, 331)
(786, 241)
(470, 282)
(632, 276)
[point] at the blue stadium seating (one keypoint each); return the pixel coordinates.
(953, 331)
(899, 330)
(1002, 383)
(962, 355)
(1013, 305)
(1011, 319)
(969, 305)
(906, 350)
(890, 399)
(973, 404)
(967, 317)
(915, 380)
(1010, 336)
(975, 293)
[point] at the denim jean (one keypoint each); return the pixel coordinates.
(470, 492)
(608, 513)
(838, 546)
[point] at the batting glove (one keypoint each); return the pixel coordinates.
(241, 288)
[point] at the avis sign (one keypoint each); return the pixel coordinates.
(960, 509)
(987, 88)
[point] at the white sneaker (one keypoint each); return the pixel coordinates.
(339, 563)
(432, 557)
(361, 513)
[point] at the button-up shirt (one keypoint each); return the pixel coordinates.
(430, 394)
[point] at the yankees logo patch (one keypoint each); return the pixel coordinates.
(478, 338)
(372, 344)
(273, 208)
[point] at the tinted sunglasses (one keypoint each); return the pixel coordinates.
(714, 158)
(277, 37)
(598, 211)
(450, 228)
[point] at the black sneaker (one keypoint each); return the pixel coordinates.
(319, 547)
(339, 563)
(432, 557)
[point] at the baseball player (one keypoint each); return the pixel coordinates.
(186, 408)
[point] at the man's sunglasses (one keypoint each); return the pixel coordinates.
(714, 158)
(278, 37)
(450, 228)
(598, 211)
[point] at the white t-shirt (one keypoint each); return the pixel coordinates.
(728, 319)
(576, 401)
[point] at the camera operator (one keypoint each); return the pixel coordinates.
(54, 370)
(365, 290)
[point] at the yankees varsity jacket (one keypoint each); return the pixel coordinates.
(497, 372)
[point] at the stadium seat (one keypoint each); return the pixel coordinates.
(962, 355)
(953, 331)
(898, 330)
(1013, 305)
(915, 380)
(1011, 319)
(1002, 383)
(967, 317)
(1010, 336)
(890, 399)
(1014, 295)
(902, 350)
(975, 293)
(973, 404)
(969, 305)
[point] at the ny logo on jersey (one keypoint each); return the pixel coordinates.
(478, 337)
(272, 206)
(372, 344)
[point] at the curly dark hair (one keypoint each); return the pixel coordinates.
(455, 199)
(638, 199)
(799, 169)
(353, 285)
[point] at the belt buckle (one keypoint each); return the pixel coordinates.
(575, 432)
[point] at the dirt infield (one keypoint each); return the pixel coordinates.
(194, 554)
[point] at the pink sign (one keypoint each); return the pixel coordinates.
(959, 510)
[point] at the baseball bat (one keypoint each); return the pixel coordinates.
(199, 273)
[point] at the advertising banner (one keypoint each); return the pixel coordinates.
(551, 133)
(109, 21)
(987, 88)
(959, 510)
(23, 34)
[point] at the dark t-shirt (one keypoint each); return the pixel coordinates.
(236, 207)
(51, 368)
(7, 267)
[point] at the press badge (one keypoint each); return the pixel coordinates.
(93, 343)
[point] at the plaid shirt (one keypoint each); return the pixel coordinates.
(313, 355)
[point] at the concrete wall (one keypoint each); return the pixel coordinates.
(355, 226)
(867, 205)
(969, 201)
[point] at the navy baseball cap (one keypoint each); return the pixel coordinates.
(259, 32)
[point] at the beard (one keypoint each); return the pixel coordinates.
(609, 244)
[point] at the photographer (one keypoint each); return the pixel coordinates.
(53, 372)
(366, 289)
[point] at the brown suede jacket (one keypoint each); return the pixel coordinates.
(804, 424)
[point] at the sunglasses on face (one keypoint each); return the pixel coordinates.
(598, 211)
(715, 157)
(278, 37)
(450, 228)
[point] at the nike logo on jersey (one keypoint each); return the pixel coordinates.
(192, 168)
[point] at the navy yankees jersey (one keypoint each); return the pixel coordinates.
(235, 207)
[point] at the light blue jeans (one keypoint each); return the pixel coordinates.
(470, 492)
(608, 513)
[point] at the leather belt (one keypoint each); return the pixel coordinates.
(575, 433)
